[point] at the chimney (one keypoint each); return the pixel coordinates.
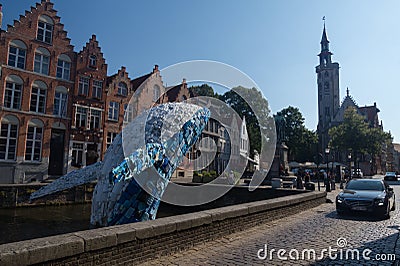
(1, 15)
(155, 69)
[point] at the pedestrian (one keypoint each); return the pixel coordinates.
(333, 185)
(307, 178)
(299, 182)
(327, 182)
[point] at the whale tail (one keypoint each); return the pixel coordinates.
(72, 179)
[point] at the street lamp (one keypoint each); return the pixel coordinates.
(349, 156)
(327, 158)
(327, 181)
(319, 158)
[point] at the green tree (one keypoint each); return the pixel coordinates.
(202, 90)
(300, 140)
(233, 99)
(354, 135)
(253, 97)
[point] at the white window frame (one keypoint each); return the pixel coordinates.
(81, 114)
(20, 53)
(97, 89)
(39, 95)
(113, 111)
(37, 139)
(122, 89)
(95, 118)
(44, 30)
(83, 87)
(128, 113)
(14, 104)
(41, 64)
(63, 69)
(79, 148)
(8, 139)
(110, 138)
(92, 60)
(62, 99)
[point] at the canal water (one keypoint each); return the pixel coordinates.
(27, 223)
(20, 224)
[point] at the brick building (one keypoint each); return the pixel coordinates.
(88, 106)
(58, 108)
(38, 67)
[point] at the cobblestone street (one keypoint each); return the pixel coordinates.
(317, 229)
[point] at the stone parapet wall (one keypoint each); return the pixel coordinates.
(139, 242)
(17, 195)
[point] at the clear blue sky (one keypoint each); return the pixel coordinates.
(275, 42)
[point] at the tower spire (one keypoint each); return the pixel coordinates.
(324, 39)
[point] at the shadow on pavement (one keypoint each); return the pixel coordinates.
(355, 216)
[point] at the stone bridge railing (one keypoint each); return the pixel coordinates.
(139, 242)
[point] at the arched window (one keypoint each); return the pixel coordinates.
(60, 101)
(45, 29)
(92, 61)
(17, 54)
(64, 67)
(8, 138)
(38, 97)
(33, 147)
(122, 89)
(156, 93)
(42, 61)
(13, 92)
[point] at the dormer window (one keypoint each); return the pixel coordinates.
(45, 29)
(122, 89)
(92, 61)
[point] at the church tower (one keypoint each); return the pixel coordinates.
(328, 91)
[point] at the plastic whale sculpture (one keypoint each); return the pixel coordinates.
(129, 187)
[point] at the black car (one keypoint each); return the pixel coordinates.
(390, 176)
(368, 195)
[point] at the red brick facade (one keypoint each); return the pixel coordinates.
(88, 106)
(58, 108)
(24, 36)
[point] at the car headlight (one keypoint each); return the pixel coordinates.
(339, 199)
(380, 201)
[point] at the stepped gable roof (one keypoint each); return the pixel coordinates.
(371, 114)
(45, 7)
(135, 83)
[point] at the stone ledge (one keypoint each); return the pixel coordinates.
(68, 245)
(98, 238)
(41, 250)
